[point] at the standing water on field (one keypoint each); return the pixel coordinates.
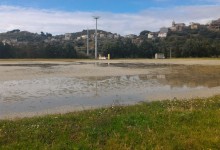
(28, 89)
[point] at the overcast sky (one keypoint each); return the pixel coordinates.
(117, 16)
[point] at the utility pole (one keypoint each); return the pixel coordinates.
(96, 18)
(87, 42)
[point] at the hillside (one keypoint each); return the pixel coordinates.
(179, 40)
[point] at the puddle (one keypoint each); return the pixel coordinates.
(55, 90)
(137, 65)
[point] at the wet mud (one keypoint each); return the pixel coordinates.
(55, 88)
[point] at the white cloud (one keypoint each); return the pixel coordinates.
(59, 22)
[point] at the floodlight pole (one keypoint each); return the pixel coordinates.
(87, 42)
(96, 18)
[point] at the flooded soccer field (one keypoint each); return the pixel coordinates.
(30, 88)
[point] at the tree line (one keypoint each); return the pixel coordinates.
(187, 43)
(38, 51)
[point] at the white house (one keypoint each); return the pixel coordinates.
(9, 41)
(84, 37)
(194, 26)
(163, 32)
(78, 38)
(151, 35)
(102, 35)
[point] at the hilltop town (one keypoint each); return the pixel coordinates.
(26, 41)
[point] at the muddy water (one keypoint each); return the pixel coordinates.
(29, 89)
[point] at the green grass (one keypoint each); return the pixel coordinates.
(171, 124)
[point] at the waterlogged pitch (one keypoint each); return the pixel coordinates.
(30, 88)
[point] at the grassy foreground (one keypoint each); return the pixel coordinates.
(171, 124)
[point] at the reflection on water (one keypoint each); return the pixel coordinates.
(44, 93)
(193, 76)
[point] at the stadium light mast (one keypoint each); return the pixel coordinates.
(96, 18)
(87, 42)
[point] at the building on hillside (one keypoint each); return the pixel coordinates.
(68, 36)
(194, 26)
(215, 25)
(14, 41)
(159, 56)
(84, 37)
(10, 41)
(102, 35)
(131, 36)
(116, 36)
(78, 38)
(110, 36)
(4, 42)
(99, 35)
(92, 36)
(163, 32)
(177, 26)
(54, 40)
(152, 35)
